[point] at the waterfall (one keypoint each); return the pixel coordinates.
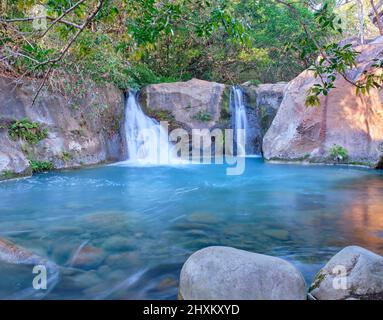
(146, 140)
(239, 120)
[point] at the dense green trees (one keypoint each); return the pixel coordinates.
(135, 42)
(145, 41)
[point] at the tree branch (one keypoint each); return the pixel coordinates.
(58, 19)
(71, 24)
(312, 38)
(65, 49)
(377, 17)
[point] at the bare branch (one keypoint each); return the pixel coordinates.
(71, 24)
(58, 19)
(377, 16)
(66, 48)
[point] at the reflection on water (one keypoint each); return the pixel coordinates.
(124, 233)
(364, 213)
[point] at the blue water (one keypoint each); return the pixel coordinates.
(120, 232)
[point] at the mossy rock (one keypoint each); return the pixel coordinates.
(225, 104)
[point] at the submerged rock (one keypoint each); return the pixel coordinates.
(119, 243)
(353, 273)
(223, 273)
(277, 234)
(203, 217)
(12, 254)
(87, 257)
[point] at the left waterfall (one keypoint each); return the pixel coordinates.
(146, 140)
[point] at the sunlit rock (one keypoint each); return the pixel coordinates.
(353, 122)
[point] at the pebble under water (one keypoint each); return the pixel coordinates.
(120, 232)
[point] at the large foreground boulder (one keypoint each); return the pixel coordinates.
(344, 119)
(222, 273)
(353, 273)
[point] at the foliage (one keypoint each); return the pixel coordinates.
(338, 153)
(6, 174)
(27, 130)
(334, 59)
(203, 116)
(40, 166)
(66, 156)
(132, 43)
(136, 42)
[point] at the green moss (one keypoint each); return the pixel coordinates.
(225, 104)
(26, 130)
(318, 280)
(164, 116)
(66, 156)
(203, 116)
(7, 174)
(338, 153)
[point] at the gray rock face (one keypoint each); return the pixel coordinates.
(83, 129)
(194, 104)
(198, 104)
(224, 273)
(262, 103)
(353, 273)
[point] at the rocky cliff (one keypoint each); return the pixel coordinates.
(79, 125)
(262, 103)
(346, 128)
(198, 104)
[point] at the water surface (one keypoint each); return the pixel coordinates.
(121, 232)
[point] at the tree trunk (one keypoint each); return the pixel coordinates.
(376, 14)
(361, 20)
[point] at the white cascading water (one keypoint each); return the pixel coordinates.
(239, 119)
(147, 141)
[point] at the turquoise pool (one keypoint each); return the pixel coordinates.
(120, 232)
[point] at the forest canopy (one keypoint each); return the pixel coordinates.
(135, 42)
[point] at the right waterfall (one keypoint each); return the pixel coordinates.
(239, 120)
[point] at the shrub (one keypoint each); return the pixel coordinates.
(27, 130)
(6, 174)
(204, 116)
(41, 166)
(338, 153)
(66, 156)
